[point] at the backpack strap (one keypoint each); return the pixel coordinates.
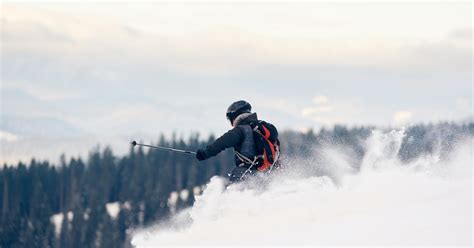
(247, 161)
(244, 160)
(277, 155)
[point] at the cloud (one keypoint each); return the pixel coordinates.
(40, 127)
(321, 105)
(8, 137)
(402, 117)
(320, 99)
(308, 111)
(464, 34)
(324, 111)
(227, 43)
(463, 104)
(18, 102)
(33, 27)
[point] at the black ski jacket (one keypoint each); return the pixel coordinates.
(233, 138)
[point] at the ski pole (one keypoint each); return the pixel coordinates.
(134, 143)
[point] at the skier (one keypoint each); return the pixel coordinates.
(255, 142)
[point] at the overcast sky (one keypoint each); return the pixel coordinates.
(77, 75)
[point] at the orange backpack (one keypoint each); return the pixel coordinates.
(267, 146)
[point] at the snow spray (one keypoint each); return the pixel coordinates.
(427, 201)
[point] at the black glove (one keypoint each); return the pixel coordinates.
(200, 155)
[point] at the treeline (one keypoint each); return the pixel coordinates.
(97, 202)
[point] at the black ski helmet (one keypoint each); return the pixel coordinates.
(237, 108)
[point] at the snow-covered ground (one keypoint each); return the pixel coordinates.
(425, 202)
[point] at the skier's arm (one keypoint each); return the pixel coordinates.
(230, 139)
